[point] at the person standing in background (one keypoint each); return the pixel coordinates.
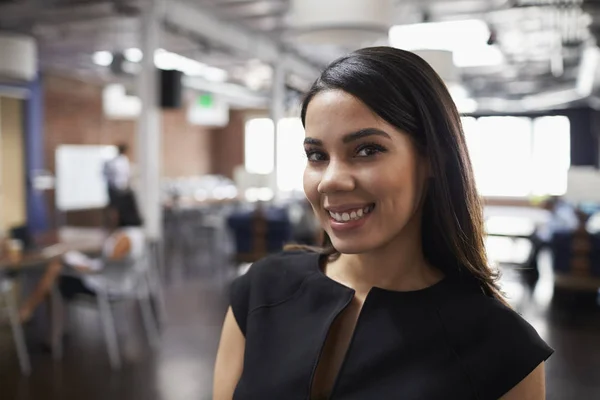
(117, 173)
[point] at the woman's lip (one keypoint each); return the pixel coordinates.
(340, 227)
(346, 207)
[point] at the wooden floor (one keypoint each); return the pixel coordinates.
(181, 368)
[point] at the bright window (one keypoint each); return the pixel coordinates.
(258, 153)
(517, 156)
(291, 159)
(551, 155)
(511, 156)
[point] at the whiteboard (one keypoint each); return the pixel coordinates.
(80, 182)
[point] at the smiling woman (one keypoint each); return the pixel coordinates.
(400, 301)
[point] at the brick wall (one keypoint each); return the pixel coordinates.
(228, 145)
(73, 115)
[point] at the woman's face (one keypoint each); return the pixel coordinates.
(364, 177)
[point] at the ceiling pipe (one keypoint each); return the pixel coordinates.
(198, 20)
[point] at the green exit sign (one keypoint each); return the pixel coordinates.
(205, 100)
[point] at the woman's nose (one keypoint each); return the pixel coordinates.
(336, 178)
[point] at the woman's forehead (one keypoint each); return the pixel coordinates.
(338, 109)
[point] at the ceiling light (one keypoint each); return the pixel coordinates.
(165, 60)
(467, 40)
(214, 74)
(102, 58)
(133, 55)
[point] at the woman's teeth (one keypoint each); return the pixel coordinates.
(352, 215)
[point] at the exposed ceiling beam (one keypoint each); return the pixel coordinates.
(254, 7)
(200, 21)
(19, 14)
(237, 3)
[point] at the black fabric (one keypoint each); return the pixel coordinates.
(448, 341)
(71, 286)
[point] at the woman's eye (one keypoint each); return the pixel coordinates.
(369, 150)
(315, 156)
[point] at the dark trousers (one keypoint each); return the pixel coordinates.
(71, 286)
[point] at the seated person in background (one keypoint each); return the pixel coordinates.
(41, 291)
(126, 242)
(562, 217)
(306, 230)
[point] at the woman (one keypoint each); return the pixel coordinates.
(400, 303)
(125, 243)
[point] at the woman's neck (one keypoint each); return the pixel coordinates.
(399, 265)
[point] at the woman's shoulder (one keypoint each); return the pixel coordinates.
(271, 281)
(496, 346)
(283, 268)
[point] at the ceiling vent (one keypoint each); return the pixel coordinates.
(342, 22)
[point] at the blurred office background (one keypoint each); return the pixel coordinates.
(216, 166)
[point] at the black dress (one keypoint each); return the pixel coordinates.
(447, 341)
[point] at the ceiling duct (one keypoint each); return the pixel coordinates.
(343, 22)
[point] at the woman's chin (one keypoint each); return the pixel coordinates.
(351, 246)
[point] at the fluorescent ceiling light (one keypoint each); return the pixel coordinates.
(466, 39)
(133, 55)
(166, 60)
(102, 58)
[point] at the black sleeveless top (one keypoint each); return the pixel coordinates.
(447, 341)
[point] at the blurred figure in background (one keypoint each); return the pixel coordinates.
(306, 230)
(563, 217)
(117, 173)
(125, 243)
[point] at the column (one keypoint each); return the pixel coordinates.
(277, 112)
(149, 123)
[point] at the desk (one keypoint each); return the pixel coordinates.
(36, 259)
(39, 259)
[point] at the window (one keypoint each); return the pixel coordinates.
(291, 159)
(511, 156)
(551, 156)
(517, 156)
(258, 152)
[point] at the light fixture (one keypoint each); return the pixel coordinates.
(341, 22)
(466, 39)
(165, 60)
(102, 58)
(133, 55)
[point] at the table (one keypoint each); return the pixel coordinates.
(84, 240)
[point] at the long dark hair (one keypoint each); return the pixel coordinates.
(128, 214)
(405, 91)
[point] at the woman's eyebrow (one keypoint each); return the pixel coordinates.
(351, 137)
(313, 141)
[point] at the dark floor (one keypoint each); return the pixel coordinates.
(181, 369)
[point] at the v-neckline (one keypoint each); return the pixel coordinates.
(351, 293)
(328, 343)
(330, 326)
